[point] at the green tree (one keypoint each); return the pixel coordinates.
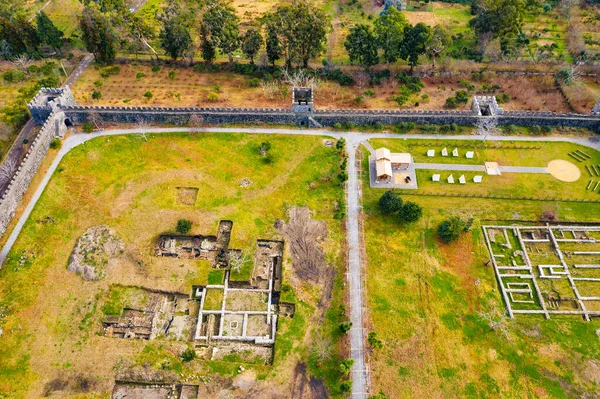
(251, 43)
(301, 28)
(207, 47)
(389, 29)
(141, 32)
(18, 34)
(361, 45)
(107, 6)
(450, 229)
(175, 36)
(274, 50)
(390, 202)
(47, 32)
(410, 212)
(222, 22)
(184, 226)
(98, 35)
(441, 40)
(414, 44)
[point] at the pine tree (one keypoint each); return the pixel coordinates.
(47, 32)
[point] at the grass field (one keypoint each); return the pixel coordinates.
(51, 318)
(428, 301)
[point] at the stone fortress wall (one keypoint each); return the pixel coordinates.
(56, 110)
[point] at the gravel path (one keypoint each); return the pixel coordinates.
(353, 139)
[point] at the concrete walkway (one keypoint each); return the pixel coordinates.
(449, 166)
(353, 140)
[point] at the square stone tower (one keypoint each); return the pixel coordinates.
(48, 100)
(302, 100)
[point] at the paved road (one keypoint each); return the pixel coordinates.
(353, 140)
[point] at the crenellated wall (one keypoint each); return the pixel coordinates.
(53, 127)
(56, 109)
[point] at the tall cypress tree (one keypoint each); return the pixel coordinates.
(47, 32)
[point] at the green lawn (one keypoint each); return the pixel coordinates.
(50, 317)
(427, 302)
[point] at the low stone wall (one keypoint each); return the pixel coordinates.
(53, 127)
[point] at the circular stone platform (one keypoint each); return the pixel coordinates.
(564, 170)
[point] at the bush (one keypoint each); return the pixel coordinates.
(549, 216)
(341, 143)
(346, 386)
(451, 102)
(96, 94)
(337, 126)
(88, 127)
(172, 74)
(50, 81)
(217, 88)
(390, 202)
(345, 327)
(358, 100)
(369, 93)
(48, 68)
(213, 96)
(98, 83)
(410, 212)
(13, 76)
(184, 226)
(450, 229)
(254, 82)
(348, 125)
(33, 69)
(148, 94)
(155, 68)
(462, 96)
(375, 342)
(343, 176)
(378, 125)
(346, 366)
(139, 75)
(55, 143)
(404, 127)
(188, 355)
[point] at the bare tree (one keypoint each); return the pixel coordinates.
(270, 89)
(322, 347)
(7, 169)
(22, 62)
(95, 120)
(487, 125)
(196, 120)
(4, 131)
(143, 125)
(237, 260)
(362, 79)
(300, 78)
(497, 321)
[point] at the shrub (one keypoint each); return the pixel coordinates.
(88, 127)
(410, 212)
(139, 75)
(33, 69)
(148, 94)
(390, 202)
(462, 96)
(183, 226)
(50, 81)
(55, 143)
(172, 74)
(403, 127)
(378, 125)
(213, 96)
(467, 85)
(450, 229)
(25, 141)
(217, 88)
(254, 82)
(348, 125)
(343, 176)
(98, 83)
(48, 68)
(451, 102)
(346, 386)
(346, 366)
(96, 94)
(13, 76)
(369, 93)
(188, 355)
(337, 126)
(345, 327)
(341, 143)
(358, 100)
(375, 342)
(155, 68)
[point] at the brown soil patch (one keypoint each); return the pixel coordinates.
(564, 170)
(459, 257)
